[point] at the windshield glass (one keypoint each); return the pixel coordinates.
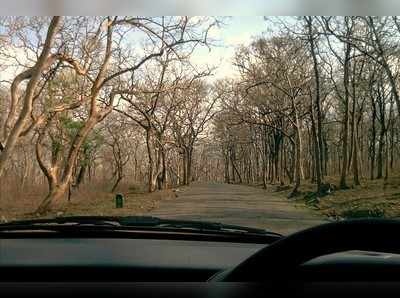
(279, 123)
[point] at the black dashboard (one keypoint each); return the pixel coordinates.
(118, 267)
(135, 260)
(116, 260)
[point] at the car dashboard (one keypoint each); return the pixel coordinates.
(116, 260)
(119, 266)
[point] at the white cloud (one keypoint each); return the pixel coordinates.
(237, 32)
(244, 38)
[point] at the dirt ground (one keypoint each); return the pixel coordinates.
(234, 204)
(218, 202)
(94, 200)
(239, 204)
(377, 198)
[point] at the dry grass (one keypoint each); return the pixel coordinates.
(104, 204)
(94, 200)
(18, 202)
(375, 195)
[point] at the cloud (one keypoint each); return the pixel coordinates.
(244, 38)
(222, 56)
(234, 33)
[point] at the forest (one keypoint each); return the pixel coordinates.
(111, 103)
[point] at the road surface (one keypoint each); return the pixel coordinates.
(240, 205)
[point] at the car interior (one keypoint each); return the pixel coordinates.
(331, 259)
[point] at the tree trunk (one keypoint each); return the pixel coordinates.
(151, 183)
(318, 130)
(56, 193)
(316, 152)
(355, 160)
(226, 168)
(345, 131)
(189, 161)
(297, 149)
(386, 160)
(33, 74)
(164, 175)
(237, 172)
(81, 175)
(326, 156)
(297, 173)
(381, 144)
(352, 132)
(373, 140)
(117, 181)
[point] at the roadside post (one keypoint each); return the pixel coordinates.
(119, 201)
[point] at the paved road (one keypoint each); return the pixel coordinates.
(238, 204)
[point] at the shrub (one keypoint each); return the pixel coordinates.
(362, 213)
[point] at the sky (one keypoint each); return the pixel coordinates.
(234, 32)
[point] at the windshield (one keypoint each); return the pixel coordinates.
(278, 123)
